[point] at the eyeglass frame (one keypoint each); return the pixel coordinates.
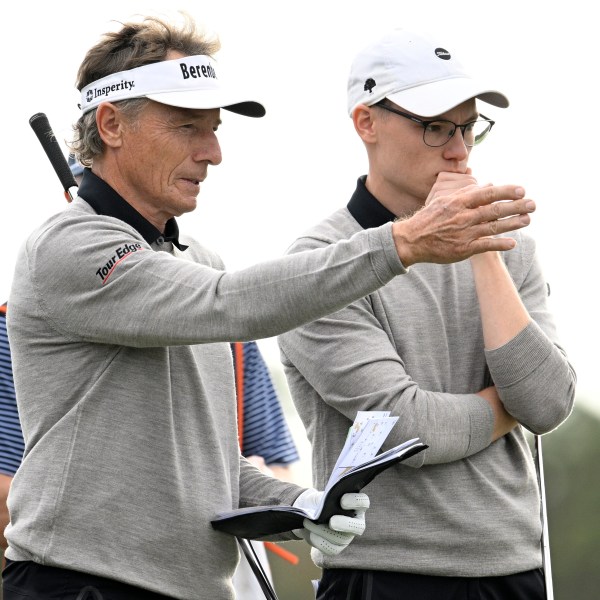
(425, 124)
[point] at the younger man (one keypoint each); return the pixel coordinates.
(466, 355)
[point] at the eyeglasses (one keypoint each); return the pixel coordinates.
(439, 132)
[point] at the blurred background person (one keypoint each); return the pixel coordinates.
(11, 438)
(266, 441)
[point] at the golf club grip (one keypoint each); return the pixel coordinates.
(41, 126)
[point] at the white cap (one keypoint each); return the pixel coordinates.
(416, 73)
(189, 82)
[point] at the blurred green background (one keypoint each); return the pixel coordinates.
(571, 467)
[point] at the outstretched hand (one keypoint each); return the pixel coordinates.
(460, 221)
(335, 536)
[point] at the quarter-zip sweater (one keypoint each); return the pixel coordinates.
(125, 388)
(465, 506)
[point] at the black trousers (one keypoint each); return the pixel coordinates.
(355, 584)
(25, 580)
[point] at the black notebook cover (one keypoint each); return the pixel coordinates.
(258, 521)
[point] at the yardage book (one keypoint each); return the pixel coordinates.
(357, 465)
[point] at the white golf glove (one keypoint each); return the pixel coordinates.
(331, 539)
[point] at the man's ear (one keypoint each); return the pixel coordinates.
(109, 121)
(365, 123)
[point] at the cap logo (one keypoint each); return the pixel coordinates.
(98, 92)
(443, 54)
(191, 73)
(196, 71)
(369, 85)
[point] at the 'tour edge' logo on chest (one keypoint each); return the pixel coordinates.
(121, 253)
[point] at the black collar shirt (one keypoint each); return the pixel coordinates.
(105, 201)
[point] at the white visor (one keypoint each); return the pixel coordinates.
(189, 82)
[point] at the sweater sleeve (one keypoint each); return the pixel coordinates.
(532, 373)
(97, 270)
(365, 371)
(258, 489)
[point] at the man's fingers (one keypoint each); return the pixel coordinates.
(339, 538)
(447, 183)
(501, 210)
(359, 503)
(355, 501)
(454, 227)
(509, 224)
(488, 194)
(324, 545)
(354, 525)
(340, 531)
(500, 244)
(318, 541)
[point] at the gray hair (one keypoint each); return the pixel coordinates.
(134, 45)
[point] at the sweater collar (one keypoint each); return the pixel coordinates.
(366, 209)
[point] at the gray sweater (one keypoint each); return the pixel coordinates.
(464, 507)
(125, 387)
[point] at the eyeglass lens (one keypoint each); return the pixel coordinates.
(437, 133)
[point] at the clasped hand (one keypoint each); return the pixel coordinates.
(333, 537)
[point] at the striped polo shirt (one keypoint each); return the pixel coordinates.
(11, 438)
(265, 430)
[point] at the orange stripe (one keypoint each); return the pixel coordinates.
(238, 349)
(285, 554)
(3, 309)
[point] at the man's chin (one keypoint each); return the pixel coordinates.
(190, 208)
(185, 205)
